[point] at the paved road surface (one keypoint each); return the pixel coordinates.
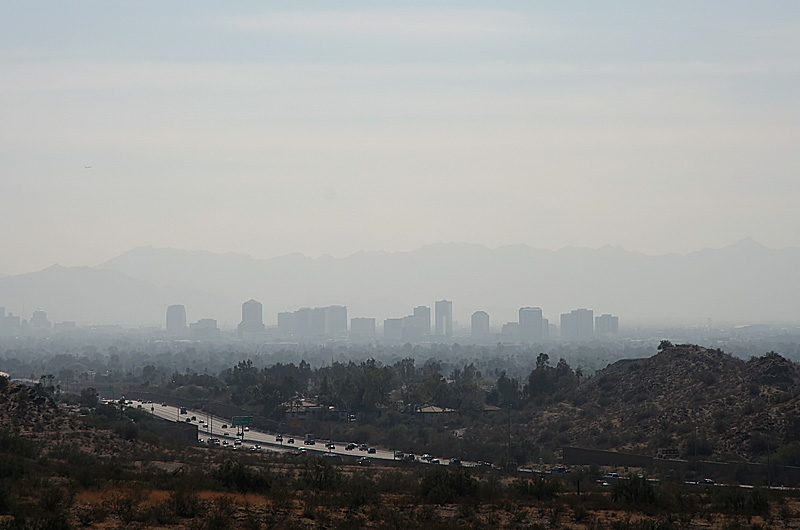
(212, 427)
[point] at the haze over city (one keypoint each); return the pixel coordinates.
(268, 128)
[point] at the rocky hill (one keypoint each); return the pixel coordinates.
(704, 402)
(32, 414)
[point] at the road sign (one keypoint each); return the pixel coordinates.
(238, 421)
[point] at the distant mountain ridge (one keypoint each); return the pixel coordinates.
(97, 296)
(744, 282)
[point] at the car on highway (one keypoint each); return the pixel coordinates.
(399, 454)
(364, 461)
(330, 445)
(371, 450)
(290, 441)
(279, 438)
(246, 429)
(455, 461)
(350, 447)
(163, 404)
(224, 425)
(363, 447)
(410, 457)
(427, 457)
(237, 442)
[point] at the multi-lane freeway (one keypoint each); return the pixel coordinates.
(253, 439)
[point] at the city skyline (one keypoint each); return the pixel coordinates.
(745, 283)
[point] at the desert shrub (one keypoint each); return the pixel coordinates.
(634, 490)
(740, 501)
(319, 474)
(185, 503)
(51, 511)
(242, 478)
(17, 445)
(124, 505)
(442, 486)
(88, 515)
(358, 490)
(540, 488)
(394, 481)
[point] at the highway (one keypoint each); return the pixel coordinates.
(212, 427)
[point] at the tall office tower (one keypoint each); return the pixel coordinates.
(176, 320)
(318, 318)
(480, 324)
(335, 320)
(287, 323)
(510, 330)
(545, 330)
(414, 328)
(424, 313)
(530, 323)
(39, 320)
(363, 328)
(252, 317)
(606, 325)
(393, 329)
(444, 317)
(577, 325)
(303, 322)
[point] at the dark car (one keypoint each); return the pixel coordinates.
(290, 441)
(350, 447)
(455, 462)
(371, 450)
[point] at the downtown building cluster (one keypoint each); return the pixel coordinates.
(421, 325)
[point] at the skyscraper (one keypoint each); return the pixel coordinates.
(424, 314)
(606, 325)
(530, 323)
(252, 317)
(335, 320)
(577, 325)
(363, 328)
(480, 324)
(176, 320)
(393, 329)
(444, 317)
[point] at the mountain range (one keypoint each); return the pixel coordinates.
(741, 283)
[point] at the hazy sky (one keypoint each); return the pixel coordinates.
(330, 127)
